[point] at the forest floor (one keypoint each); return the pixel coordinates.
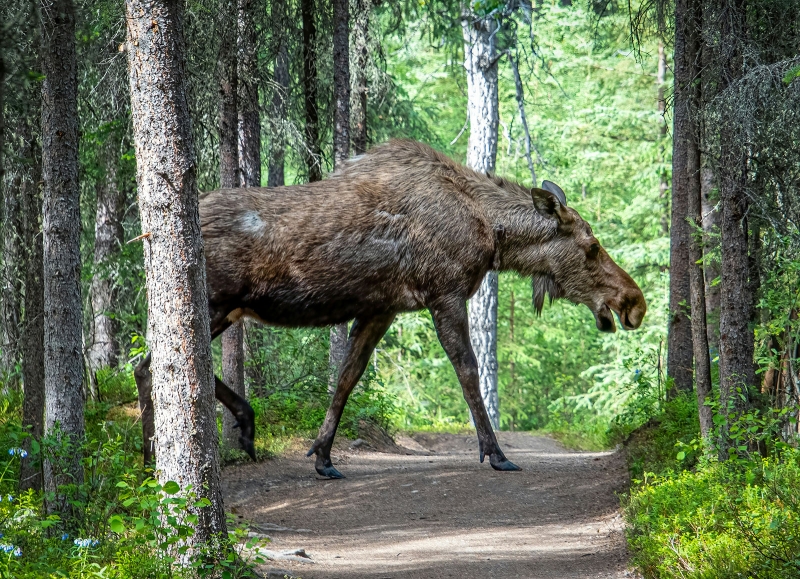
(427, 509)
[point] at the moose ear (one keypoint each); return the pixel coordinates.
(555, 190)
(548, 204)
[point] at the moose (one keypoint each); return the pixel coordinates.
(398, 229)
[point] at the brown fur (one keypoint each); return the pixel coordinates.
(399, 229)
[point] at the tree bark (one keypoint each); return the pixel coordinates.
(248, 111)
(280, 95)
(108, 239)
(702, 363)
(63, 360)
(711, 270)
(312, 153)
(11, 275)
(341, 148)
(679, 339)
(483, 111)
(247, 102)
(736, 344)
(33, 328)
(663, 184)
(361, 15)
(178, 323)
(232, 341)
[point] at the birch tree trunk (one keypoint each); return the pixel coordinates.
(232, 340)
(341, 148)
(108, 239)
(63, 360)
(280, 95)
(482, 104)
(679, 339)
(178, 324)
(30, 476)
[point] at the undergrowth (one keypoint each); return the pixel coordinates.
(691, 516)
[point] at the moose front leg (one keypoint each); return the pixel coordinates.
(364, 336)
(452, 327)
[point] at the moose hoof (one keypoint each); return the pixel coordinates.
(324, 467)
(502, 464)
(248, 447)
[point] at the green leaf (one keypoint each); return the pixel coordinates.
(122, 485)
(116, 524)
(681, 455)
(791, 75)
(171, 487)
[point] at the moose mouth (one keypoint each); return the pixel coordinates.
(604, 319)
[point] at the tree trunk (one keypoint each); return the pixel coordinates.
(663, 184)
(312, 153)
(33, 329)
(362, 9)
(232, 339)
(341, 148)
(482, 103)
(248, 111)
(63, 360)
(280, 96)
(11, 275)
(108, 239)
(178, 323)
(702, 363)
(679, 340)
(247, 102)
(736, 345)
(711, 270)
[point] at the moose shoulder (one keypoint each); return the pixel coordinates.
(399, 229)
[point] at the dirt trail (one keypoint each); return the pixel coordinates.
(438, 512)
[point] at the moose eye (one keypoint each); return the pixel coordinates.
(594, 249)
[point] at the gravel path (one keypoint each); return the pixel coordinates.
(429, 510)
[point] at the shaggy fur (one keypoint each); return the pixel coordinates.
(398, 229)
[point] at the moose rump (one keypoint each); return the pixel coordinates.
(399, 229)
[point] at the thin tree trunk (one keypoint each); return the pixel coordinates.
(232, 341)
(63, 359)
(482, 102)
(679, 339)
(247, 103)
(33, 328)
(280, 95)
(522, 117)
(309, 50)
(341, 149)
(702, 363)
(108, 238)
(11, 275)
(178, 323)
(711, 270)
(663, 184)
(248, 111)
(361, 15)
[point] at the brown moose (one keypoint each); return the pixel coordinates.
(398, 229)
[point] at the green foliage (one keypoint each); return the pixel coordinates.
(724, 520)
(126, 524)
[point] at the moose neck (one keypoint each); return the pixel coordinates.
(522, 233)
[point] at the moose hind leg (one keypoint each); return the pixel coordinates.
(241, 409)
(364, 336)
(452, 327)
